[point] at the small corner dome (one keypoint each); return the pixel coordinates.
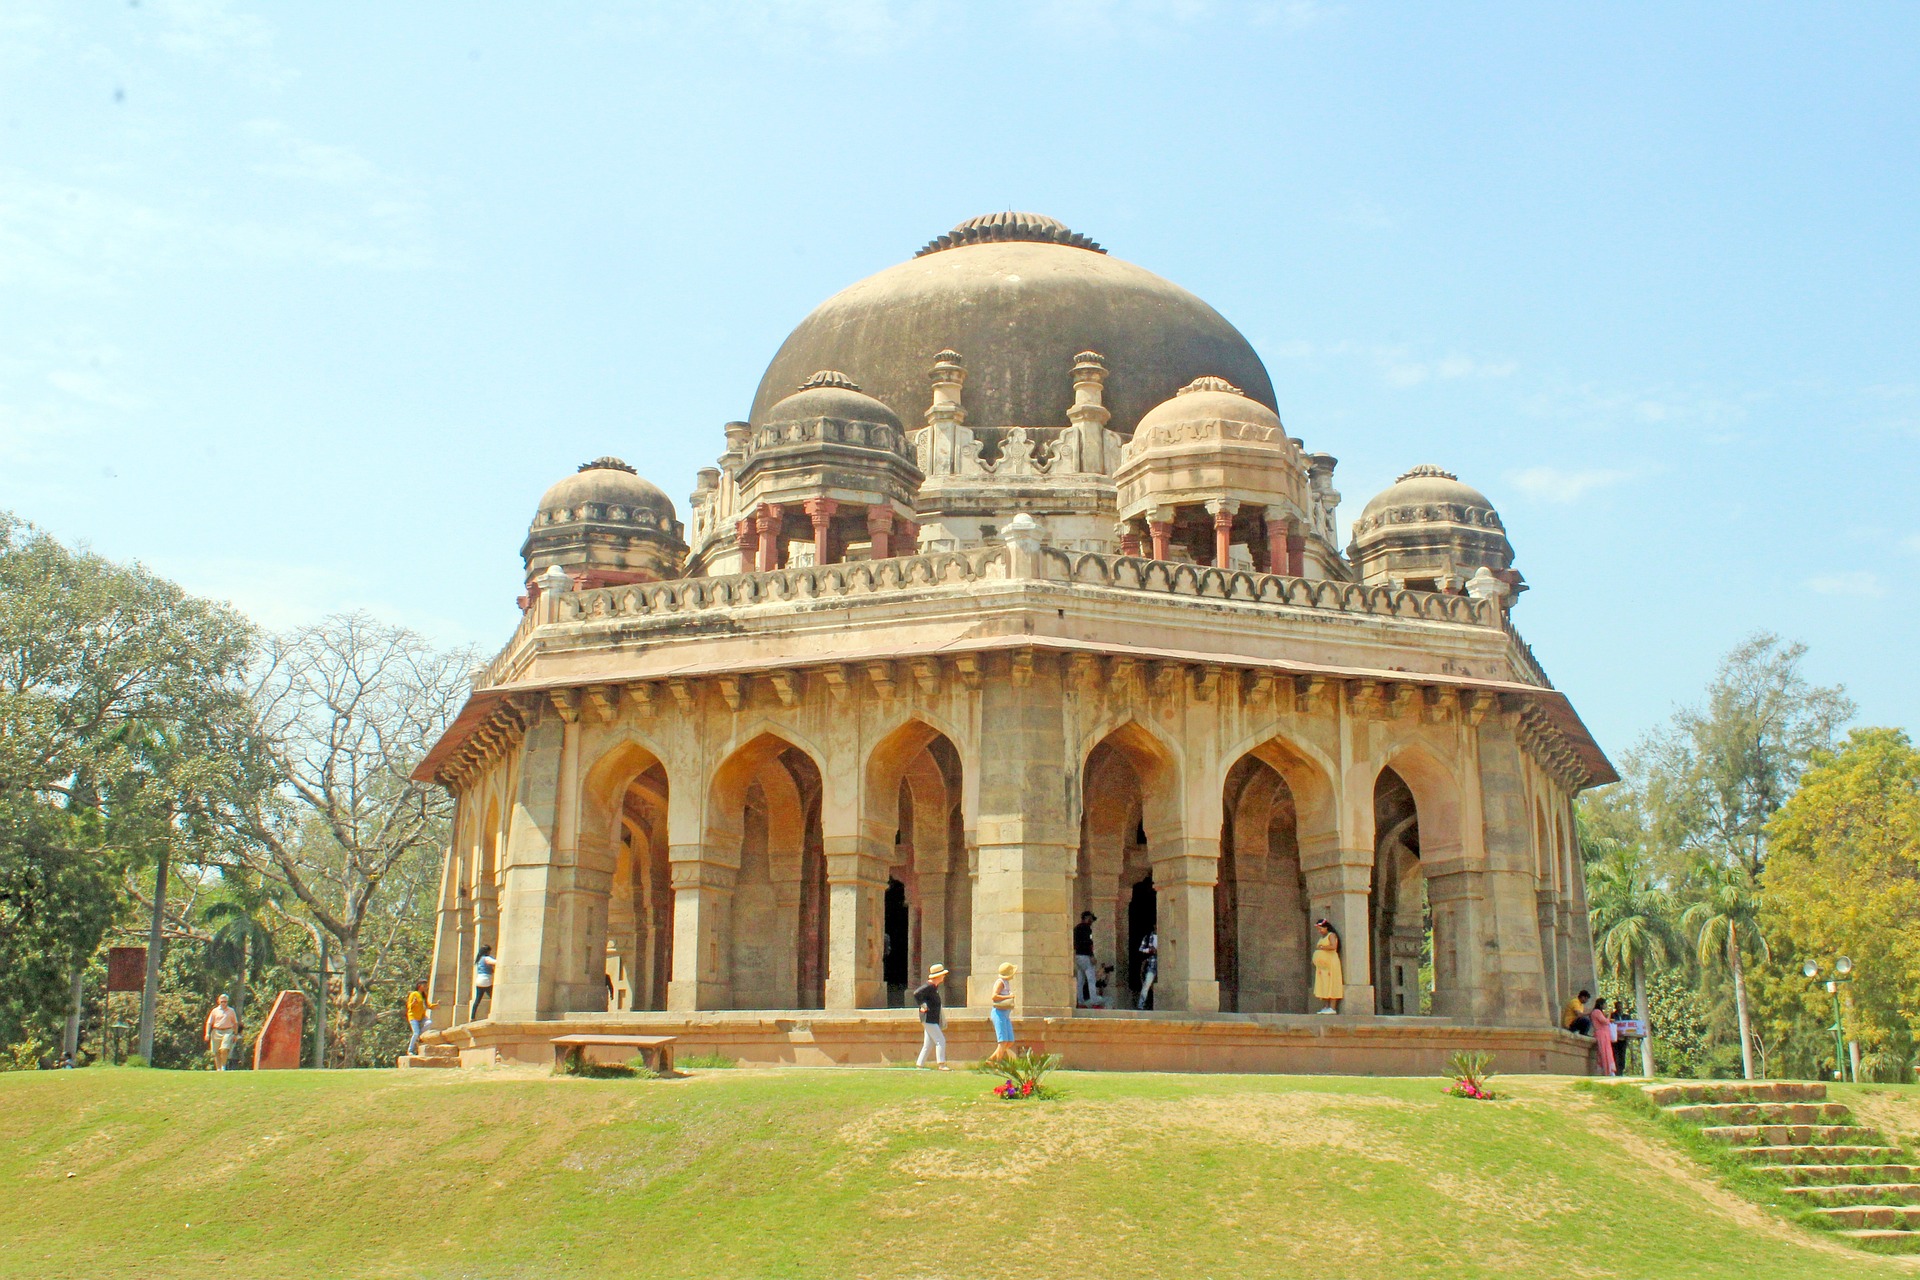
(1211, 400)
(831, 394)
(1429, 494)
(606, 490)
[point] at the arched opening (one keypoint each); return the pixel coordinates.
(640, 906)
(1398, 916)
(764, 820)
(1129, 817)
(1262, 940)
(1143, 923)
(1422, 900)
(897, 954)
(926, 899)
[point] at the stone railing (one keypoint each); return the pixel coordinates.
(859, 579)
(512, 658)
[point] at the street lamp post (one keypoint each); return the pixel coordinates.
(1842, 972)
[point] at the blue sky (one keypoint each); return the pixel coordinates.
(304, 306)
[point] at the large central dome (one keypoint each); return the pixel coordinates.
(1018, 296)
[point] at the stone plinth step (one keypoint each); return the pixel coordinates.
(1808, 1175)
(1888, 1239)
(416, 1061)
(1794, 1135)
(1858, 1193)
(1667, 1095)
(1723, 1113)
(1901, 1217)
(1815, 1155)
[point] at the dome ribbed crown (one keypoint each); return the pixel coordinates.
(988, 228)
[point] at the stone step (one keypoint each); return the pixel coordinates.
(1667, 1095)
(1812, 1155)
(1900, 1217)
(1794, 1135)
(438, 1051)
(1725, 1113)
(416, 1061)
(1889, 1240)
(1850, 1193)
(1809, 1175)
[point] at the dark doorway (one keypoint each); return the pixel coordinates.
(894, 959)
(1142, 922)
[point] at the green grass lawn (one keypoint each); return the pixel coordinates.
(853, 1173)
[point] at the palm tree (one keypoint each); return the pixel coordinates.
(1633, 926)
(1724, 920)
(240, 944)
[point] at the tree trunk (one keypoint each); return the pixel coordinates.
(320, 1005)
(150, 996)
(70, 1042)
(1740, 1003)
(240, 987)
(1640, 1015)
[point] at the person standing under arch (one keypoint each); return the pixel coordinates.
(1329, 981)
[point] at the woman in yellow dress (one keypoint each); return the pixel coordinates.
(1329, 983)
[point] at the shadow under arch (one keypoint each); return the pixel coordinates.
(911, 823)
(1420, 904)
(622, 838)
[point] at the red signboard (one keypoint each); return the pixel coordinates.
(126, 968)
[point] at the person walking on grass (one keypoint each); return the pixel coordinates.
(221, 1032)
(418, 1007)
(933, 1037)
(1085, 976)
(483, 966)
(1002, 1014)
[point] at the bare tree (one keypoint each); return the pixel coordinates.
(346, 709)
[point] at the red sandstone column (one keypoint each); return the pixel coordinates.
(880, 529)
(1276, 520)
(1162, 533)
(1223, 510)
(820, 511)
(909, 538)
(1129, 542)
(770, 519)
(1297, 554)
(748, 538)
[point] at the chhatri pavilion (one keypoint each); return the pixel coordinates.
(1011, 598)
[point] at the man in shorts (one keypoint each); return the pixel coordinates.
(221, 1032)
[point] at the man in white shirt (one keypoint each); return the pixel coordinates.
(221, 1032)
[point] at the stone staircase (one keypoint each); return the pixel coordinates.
(430, 1055)
(1849, 1177)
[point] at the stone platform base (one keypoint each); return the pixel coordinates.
(1098, 1040)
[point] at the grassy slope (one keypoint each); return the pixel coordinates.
(859, 1173)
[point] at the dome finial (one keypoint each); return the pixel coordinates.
(1428, 470)
(606, 463)
(989, 228)
(830, 378)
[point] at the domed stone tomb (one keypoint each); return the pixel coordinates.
(1010, 599)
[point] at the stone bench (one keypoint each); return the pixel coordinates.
(656, 1050)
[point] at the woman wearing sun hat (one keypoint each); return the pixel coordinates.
(1002, 1013)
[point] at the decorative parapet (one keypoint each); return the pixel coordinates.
(856, 581)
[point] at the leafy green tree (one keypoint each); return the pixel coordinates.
(113, 686)
(1712, 778)
(1724, 920)
(1844, 879)
(1634, 924)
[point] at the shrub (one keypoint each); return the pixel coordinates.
(1472, 1075)
(1023, 1075)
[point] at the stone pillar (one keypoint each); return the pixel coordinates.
(785, 873)
(1222, 510)
(528, 947)
(1183, 884)
(452, 927)
(1546, 909)
(1297, 554)
(856, 919)
(880, 532)
(1338, 881)
(1129, 539)
(820, 511)
(747, 537)
(702, 910)
(1453, 898)
(1513, 977)
(1160, 529)
(1028, 841)
(770, 518)
(1276, 522)
(933, 923)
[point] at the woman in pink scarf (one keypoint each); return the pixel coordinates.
(1603, 1036)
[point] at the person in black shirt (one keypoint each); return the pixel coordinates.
(934, 1037)
(1083, 970)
